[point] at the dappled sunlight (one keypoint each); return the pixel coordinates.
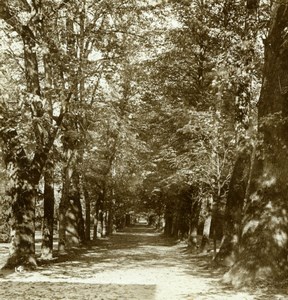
(254, 197)
(280, 238)
(138, 234)
(130, 265)
(269, 182)
(250, 226)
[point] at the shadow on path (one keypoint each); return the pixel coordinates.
(136, 263)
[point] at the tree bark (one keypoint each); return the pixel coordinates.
(87, 212)
(31, 63)
(48, 220)
(206, 232)
(105, 223)
(193, 224)
(234, 209)
(100, 226)
(207, 223)
(168, 223)
(63, 207)
(264, 242)
(74, 220)
(22, 246)
(96, 220)
(24, 175)
(110, 222)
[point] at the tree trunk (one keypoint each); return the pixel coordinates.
(64, 204)
(63, 207)
(127, 220)
(168, 223)
(48, 220)
(75, 233)
(104, 223)
(87, 212)
(74, 221)
(193, 224)
(206, 232)
(98, 215)
(96, 220)
(264, 240)
(175, 225)
(95, 227)
(81, 222)
(234, 209)
(207, 223)
(24, 175)
(22, 247)
(31, 63)
(100, 224)
(110, 222)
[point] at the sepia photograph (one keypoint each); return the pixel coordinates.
(143, 149)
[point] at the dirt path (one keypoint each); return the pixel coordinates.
(135, 264)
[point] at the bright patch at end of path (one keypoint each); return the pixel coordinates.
(134, 264)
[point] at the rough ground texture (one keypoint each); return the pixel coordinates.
(135, 264)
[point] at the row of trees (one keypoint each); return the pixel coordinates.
(111, 107)
(65, 111)
(207, 112)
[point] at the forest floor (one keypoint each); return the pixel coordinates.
(137, 263)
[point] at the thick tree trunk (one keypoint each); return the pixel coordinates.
(264, 240)
(207, 223)
(71, 222)
(75, 223)
(22, 250)
(22, 247)
(234, 209)
(64, 204)
(48, 220)
(75, 233)
(206, 232)
(24, 175)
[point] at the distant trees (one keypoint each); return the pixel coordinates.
(196, 111)
(207, 118)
